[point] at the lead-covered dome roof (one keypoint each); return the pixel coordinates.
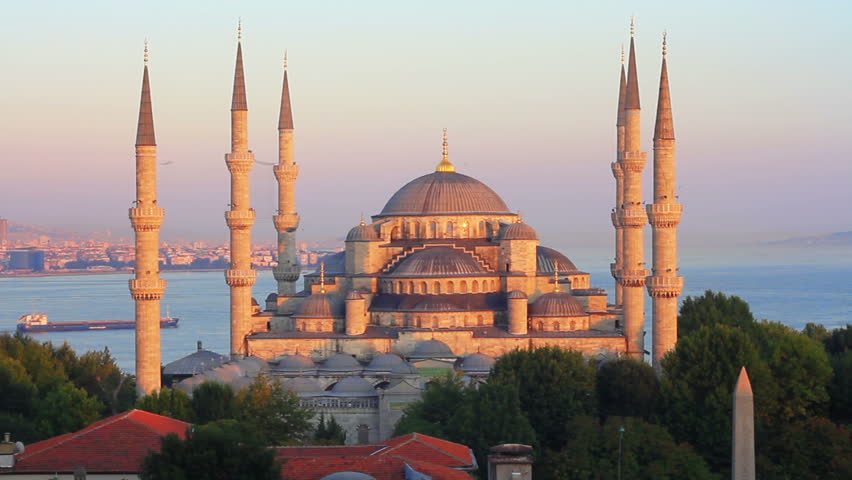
(557, 304)
(354, 386)
(432, 348)
(362, 233)
(518, 231)
(445, 193)
(319, 305)
(438, 262)
(549, 260)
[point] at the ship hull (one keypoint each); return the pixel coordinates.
(93, 325)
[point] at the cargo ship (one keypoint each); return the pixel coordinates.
(37, 323)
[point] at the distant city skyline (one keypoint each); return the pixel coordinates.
(528, 93)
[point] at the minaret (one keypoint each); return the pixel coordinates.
(287, 220)
(632, 215)
(665, 285)
(147, 288)
(240, 218)
(742, 451)
(618, 173)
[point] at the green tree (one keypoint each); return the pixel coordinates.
(696, 391)
(713, 308)
(219, 450)
(18, 392)
(22, 428)
(648, 452)
(627, 388)
(432, 414)
(840, 388)
(816, 331)
(66, 408)
(273, 412)
(554, 385)
(839, 340)
(37, 358)
(168, 402)
(812, 449)
(213, 401)
(329, 433)
(98, 374)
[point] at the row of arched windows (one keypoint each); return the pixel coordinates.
(450, 229)
(451, 322)
(439, 287)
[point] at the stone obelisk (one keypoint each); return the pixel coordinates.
(742, 467)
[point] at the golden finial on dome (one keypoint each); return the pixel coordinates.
(145, 55)
(363, 222)
(520, 217)
(556, 279)
(322, 277)
(445, 165)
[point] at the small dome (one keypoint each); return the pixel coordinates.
(350, 386)
(477, 363)
(515, 294)
(348, 476)
(272, 297)
(354, 295)
(252, 365)
(445, 193)
(404, 369)
(438, 261)
(549, 260)
(294, 364)
(384, 363)
(557, 304)
(341, 362)
(432, 348)
(229, 372)
(319, 305)
(518, 231)
(302, 385)
(362, 233)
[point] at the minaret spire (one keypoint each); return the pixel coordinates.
(445, 165)
(286, 222)
(146, 217)
(618, 173)
(240, 276)
(665, 285)
(631, 214)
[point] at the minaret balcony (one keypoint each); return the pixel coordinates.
(286, 172)
(239, 162)
(240, 219)
(286, 273)
(616, 221)
(633, 216)
(634, 161)
(665, 286)
(240, 278)
(632, 278)
(664, 215)
(617, 171)
(146, 219)
(615, 270)
(147, 288)
(286, 222)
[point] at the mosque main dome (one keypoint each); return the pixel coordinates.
(445, 193)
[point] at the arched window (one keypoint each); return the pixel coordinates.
(493, 286)
(395, 234)
(451, 287)
(434, 322)
(480, 320)
(540, 326)
(483, 231)
(463, 286)
(573, 325)
(475, 288)
(399, 287)
(319, 327)
(433, 230)
(450, 231)
(419, 322)
(452, 322)
(437, 287)
(416, 233)
(555, 326)
(423, 288)
(411, 287)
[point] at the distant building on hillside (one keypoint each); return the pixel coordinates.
(27, 259)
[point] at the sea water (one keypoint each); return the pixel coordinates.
(790, 285)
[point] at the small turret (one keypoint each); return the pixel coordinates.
(356, 313)
(518, 302)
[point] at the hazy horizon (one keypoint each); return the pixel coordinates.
(759, 90)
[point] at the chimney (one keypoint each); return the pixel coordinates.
(8, 450)
(510, 461)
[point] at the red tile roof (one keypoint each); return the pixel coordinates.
(382, 468)
(418, 446)
(115, 444)
(328, 451)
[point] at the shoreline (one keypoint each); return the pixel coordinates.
(70, 273)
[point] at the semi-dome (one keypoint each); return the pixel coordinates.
(516, 294)
(354, 386)
(297, 363)
(404, 369)
(438, 262)
(477, 363)
(302, 385)
(384, 363)
(319, 305)
(362, 233)
(557, 304)
(549, 260)
(431, 349)
(445, 193)
(340, 363)
(348, 476)
(518, 231)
